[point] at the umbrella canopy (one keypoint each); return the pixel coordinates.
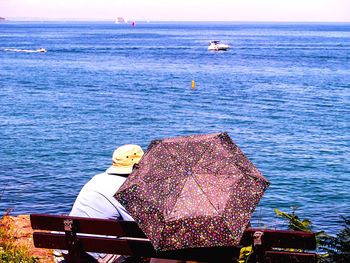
(193, 191)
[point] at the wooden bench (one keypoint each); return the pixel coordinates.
(79, 235)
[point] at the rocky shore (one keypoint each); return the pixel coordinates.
(19, 227)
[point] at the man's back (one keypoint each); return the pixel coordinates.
(96, 198)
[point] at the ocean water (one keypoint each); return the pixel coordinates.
(282, 92)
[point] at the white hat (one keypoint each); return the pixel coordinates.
(124, 158)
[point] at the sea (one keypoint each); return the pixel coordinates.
(281, 92)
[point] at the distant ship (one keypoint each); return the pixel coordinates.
(2, 19)
(120, 20)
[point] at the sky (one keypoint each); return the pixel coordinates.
(180, 10)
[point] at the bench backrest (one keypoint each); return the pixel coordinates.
(126, 238)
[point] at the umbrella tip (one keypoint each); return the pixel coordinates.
(153, 143)
(223, 135)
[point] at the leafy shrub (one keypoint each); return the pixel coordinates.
(294, 222)
(338, 247)
(9, 250)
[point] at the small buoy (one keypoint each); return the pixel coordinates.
(193, 84)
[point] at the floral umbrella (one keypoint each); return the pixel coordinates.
(193, 191)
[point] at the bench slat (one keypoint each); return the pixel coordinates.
(133, 248)
(281, 238)
(286, 256)
(87, 225)
(92, 244)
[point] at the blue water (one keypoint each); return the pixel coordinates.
(282, 93)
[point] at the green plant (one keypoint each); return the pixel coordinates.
(332, 249)
(245, 254)
(337, 247)
(294, 222)
(297, 224)
(9, 250)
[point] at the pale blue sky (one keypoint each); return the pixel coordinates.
(181, 10)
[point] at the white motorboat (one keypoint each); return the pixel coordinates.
(41, 50)
(216, 45)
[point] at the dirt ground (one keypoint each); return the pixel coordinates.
(22, 232)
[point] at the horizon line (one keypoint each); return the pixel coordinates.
(34, 19)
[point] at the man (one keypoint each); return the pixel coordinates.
(96, 199)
